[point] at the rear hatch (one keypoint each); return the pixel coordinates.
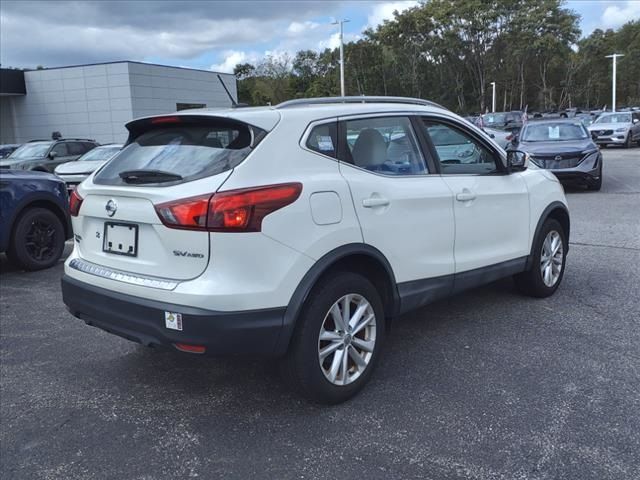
(167, 159)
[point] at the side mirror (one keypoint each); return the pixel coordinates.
(53, 155)
(517, 161)
(594, 136)
(516, 139)
(635, 120)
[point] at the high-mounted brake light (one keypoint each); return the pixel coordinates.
(157, 120)
(232, 211)
(75, 202)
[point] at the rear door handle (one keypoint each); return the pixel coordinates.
(465, 196)
(375, 202)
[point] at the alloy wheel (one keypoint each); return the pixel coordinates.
(40, 240)
(551, 258)
(347, 339)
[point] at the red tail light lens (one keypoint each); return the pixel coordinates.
(244, 209)
(232, 211)
(75, 202)
(187, 214)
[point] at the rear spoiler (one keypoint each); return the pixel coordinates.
(139, 126)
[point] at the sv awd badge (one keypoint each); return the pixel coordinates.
(180, 253)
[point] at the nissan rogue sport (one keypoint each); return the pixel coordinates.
(301, 231)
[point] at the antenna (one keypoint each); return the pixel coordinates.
(234, 104)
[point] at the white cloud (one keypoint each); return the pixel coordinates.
(615, 16)
(231, 59)
(384, 11)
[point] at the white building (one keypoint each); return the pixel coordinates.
(95, 101)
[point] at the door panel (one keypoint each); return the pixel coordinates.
(491, 207)
(403, 211)
(492, 219)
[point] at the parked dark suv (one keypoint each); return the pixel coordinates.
(34, 218)
(46, 155)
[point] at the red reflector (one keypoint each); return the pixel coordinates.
(188, 213)
(75, 202)
(165, 120)
(184, 347)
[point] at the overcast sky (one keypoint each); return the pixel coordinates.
(206, 35)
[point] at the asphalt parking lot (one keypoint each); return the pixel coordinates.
(486, 385)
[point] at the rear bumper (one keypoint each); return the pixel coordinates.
(253, 332)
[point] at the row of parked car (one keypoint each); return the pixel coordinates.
(34, 218)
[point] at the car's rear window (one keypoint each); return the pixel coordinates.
(191, 151)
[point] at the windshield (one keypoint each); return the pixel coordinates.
(31, 150)
(189, 151)
(100, 154)
(553, 132)
(614, 118)
(492, 118)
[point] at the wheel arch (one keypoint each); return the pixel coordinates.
(558, 211)
(41, 202)
(355, 257)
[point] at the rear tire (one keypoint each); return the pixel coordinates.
(315, 365)
(37, 240)
(549, 260)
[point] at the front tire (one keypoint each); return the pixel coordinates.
(627, 142)
(337, 340)
(549, 259)
(597, 184)
(38, 239)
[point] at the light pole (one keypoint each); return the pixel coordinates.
(615, 56)
(493, 97)
(341, 23)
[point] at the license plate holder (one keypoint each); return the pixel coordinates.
(120, 239)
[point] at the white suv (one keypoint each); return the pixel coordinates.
(301, 230)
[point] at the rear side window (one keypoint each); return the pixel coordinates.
(324, 139)
(181, 152)
(76, 148)
(60, 150)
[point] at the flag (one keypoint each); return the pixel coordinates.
(524, 114)
(480, 122)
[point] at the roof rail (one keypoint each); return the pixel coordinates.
(362, 99)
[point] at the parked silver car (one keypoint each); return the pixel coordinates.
(73, 173)
(616, 128)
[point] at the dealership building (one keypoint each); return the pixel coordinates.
(96, 101)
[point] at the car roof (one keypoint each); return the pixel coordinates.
(267, 117)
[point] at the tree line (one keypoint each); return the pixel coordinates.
(449, 51)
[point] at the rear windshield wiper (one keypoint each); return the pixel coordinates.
(148, 176)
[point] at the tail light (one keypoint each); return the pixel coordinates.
(509, 137)
(75, 202)
(232, 211)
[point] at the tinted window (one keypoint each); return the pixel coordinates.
(385, 145)
(61, 149)
(459, 152)
(190, 151)
(324, 139)
(76, 148)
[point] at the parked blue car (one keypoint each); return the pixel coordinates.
(34, 218)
